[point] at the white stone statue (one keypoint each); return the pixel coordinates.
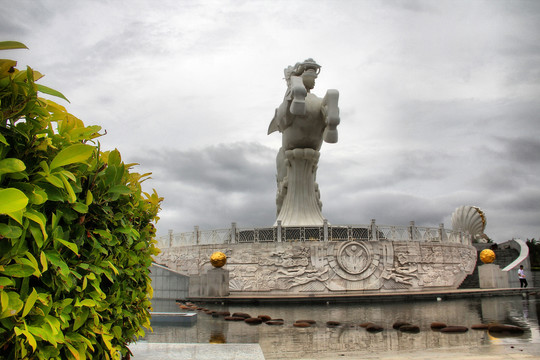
(304, 120)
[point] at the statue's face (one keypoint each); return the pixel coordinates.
(308, 77)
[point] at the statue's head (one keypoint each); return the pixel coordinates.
(309, 70)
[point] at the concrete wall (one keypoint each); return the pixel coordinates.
(168, 284)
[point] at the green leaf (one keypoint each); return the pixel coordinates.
(81, 317)
(72, 154)
(10, 45)
(36, 234)
(47, 90)
(17, 216)
(71, 246)
(10, 231)
(15, 305)
(120, 189)
(12, 200)
(30, 301)
(11, 165)
(39, 218)
(55, 259)
(5, 281)
(114, 158)
(18, 270)
(3, 140)
(80, 208)
(71, 194)
(55, 180)
(38, 197)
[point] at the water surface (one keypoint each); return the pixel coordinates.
(320, 341)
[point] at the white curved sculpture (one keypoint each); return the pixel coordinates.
(471, 219)
(304, 120)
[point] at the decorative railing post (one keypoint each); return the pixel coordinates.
(196, 234)
(233, 233)
(325, 230)
(374, 232)
(412, 231)
(170, 237)
(441, 232)
(279, 230)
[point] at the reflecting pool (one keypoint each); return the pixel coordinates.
(319, 341)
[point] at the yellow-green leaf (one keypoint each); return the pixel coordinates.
(6, 66)
(80, 207)
(30, 302)
(71, 194)
(80, 317)
(12, 200)
(71, 246)
(17, 215)
(47, 90)
(72, 154)
(11, 165)
(89, 198)
(9, 45)
(4, 301)
(39, 218)
(113, 267)
(87, 302)
(43, 260)
(18, 270)
(73, 351)
(3, 140)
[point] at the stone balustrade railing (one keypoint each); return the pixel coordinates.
(371, 232)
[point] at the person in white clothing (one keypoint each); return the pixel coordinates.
(521, 276)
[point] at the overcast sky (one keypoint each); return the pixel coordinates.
(439, 102)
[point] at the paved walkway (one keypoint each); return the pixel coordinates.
(163, 351)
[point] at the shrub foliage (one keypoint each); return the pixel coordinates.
(76, 233)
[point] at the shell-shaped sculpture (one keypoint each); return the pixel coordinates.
(469, 218)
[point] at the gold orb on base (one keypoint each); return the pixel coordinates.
(487, 256)
(218, 259)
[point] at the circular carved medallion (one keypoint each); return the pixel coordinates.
(354, 258)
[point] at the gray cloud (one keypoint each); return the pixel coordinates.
(439, 102)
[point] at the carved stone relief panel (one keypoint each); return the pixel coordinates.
(326, 267)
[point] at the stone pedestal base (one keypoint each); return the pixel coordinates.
(217, 282)
(301, 206)
(492, 277)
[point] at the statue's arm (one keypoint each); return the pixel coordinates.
(330, 112)
(297, 95)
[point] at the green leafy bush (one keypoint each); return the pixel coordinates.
(76, 233)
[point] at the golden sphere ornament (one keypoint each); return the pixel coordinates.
(487, 256)
(218, 259)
